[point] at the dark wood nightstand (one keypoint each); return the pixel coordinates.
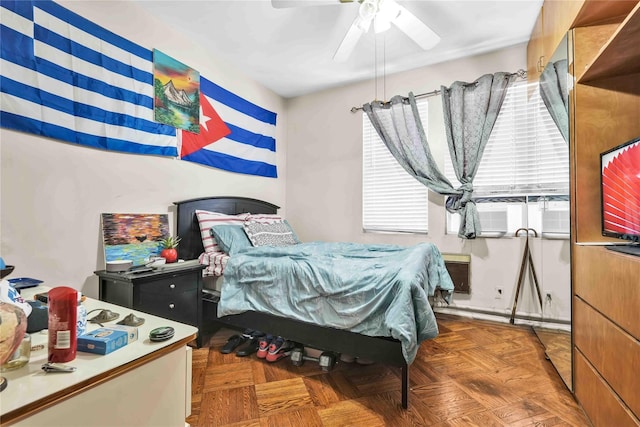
(171, 292)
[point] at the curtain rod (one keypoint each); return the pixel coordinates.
(520, 73)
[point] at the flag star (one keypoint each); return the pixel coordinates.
(204, 119)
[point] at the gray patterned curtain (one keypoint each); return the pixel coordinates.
(554, 94)
(470, 111)
(399, 126)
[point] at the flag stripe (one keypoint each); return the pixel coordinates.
(232, 100)
(231, 163)
(241, 119)
(243, 151)
(22, 8)
(245, 137)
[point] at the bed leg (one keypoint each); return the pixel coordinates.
(405, 386)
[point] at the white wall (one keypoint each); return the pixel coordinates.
(52, 193)
(324, 191)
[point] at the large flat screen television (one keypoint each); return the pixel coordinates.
(620, 191)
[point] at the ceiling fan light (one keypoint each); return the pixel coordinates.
(388, 9)
(380, 24)
(368, 10)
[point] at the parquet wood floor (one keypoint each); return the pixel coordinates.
(475, 373)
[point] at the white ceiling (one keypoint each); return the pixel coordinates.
(290, 50)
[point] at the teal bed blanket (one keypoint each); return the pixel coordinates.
(375, 290)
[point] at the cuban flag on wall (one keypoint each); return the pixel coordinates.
(64, 77)
(235, 134)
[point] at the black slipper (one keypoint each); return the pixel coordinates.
(233, 342)
(249, 348)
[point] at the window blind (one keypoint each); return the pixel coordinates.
(392, 200)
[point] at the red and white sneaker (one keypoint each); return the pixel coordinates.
(263, 346)
(278, 349)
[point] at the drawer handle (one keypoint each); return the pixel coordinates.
(171, 305)
(172, 286)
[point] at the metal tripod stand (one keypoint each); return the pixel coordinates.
(526, 259)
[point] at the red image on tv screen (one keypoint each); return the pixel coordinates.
(621, 190)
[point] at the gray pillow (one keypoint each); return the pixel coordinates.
(230, 238)
(273, 234)
(293, 233)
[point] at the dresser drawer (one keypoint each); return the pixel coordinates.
(179, 306)
(170, 285)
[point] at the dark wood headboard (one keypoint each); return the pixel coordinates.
(187, 227)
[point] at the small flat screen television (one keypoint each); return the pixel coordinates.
(620, 192)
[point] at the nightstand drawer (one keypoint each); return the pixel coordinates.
(171, 285)
(179, 306)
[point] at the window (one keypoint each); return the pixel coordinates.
(523, 178)
(392, 200)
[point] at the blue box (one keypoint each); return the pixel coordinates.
(102, 340)
(131, 330)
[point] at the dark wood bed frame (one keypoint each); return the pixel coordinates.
(379, 349)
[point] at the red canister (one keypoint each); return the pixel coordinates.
(63, 309)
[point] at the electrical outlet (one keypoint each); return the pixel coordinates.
(499, 292)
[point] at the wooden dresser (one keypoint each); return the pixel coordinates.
(605, 112)
(144, 383)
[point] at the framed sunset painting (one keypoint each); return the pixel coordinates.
(132, 236)
(176, 93)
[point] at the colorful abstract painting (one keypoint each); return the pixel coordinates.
(133, 237)
(176, 93)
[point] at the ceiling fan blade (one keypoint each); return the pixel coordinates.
(283, 4)
(349, 41)
(417, 30)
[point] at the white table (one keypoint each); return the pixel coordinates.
(144, 383)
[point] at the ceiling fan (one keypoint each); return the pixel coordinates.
(382, 13)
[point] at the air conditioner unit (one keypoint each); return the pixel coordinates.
(493, 221)
(555, 221)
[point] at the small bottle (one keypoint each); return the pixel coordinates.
(63, 313)
(81, 317)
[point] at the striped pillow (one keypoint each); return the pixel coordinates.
(214, 261)
(207, 219)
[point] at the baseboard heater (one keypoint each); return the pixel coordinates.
(459, 268)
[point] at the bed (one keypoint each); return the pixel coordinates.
(372, 338)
